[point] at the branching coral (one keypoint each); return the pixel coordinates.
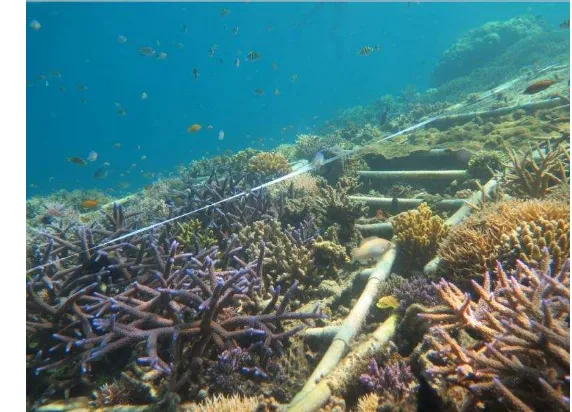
(393, 382)
(519, 353)
(287, 258)
(267, 164)
(193, 237)
(174, 311)
(528, 240)
(418, 233)
(472, 247)
(536, 179)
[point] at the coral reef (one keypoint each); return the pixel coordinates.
(174, 312)
(484, 164)
(193, 237)
(416, 289)
(221, 403)
(307, 145)
(393, 383)
(536, 179)
(222, 164)
(480, 45)
(528, 240)
(268, 164)
(472, 247)
(418, 233)
(511, 346)
(287, 259)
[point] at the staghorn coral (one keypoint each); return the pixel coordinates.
(307, 145)
(418, 233)
(335, 208)
(193, 237)
(141, 299)
(517, 353)
(484, 164)
(267, 164)
(527, 177)
(287, 256)
(471, 248)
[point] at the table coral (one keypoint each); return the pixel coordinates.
(418, 233)
(518, 352)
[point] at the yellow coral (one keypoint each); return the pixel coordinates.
(268, 164)
(192, 232)
(220, 403)
(472, 247)
(529, 238)
(368, 403)
(418, 233)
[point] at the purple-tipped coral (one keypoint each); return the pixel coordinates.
(395, 378)
(173, 311)
(416, 290)
(510, 347)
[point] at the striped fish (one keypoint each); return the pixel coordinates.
(253, 55)
(367, 50)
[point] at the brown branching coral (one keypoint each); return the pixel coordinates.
(533, 178)
(287, 256)
(268, 164)
(472, 247)
(518, 352)
(418, 233)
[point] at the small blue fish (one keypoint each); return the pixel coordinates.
(318, 160)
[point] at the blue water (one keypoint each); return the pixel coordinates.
(317, 41)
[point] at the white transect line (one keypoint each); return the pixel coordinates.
(303, 169)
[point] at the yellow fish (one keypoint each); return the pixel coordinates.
(371, 248)
(386, 302)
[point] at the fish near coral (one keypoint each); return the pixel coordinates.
(539, 86)
(89, 203)
(371, 248)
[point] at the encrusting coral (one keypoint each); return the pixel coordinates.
(418, 233)
(471, 248)
(528, 177)
(268, 164)
(511, 346)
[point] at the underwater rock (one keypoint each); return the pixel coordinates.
(480, 45)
